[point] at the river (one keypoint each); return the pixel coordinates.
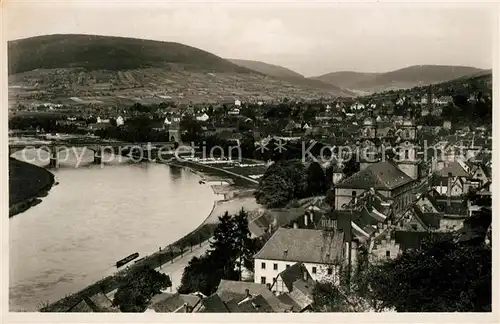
(94, 217)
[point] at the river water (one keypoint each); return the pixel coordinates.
(94, 217)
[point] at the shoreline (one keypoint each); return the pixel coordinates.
(34, 199)
(197, 236)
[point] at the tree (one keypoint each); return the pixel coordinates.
(441, 276)
(282, 182)
(191, 129)
(134, 294)
(316, 180)
(230, 248)
(201, 275)
(351, 166)
(308, 114)
(327, 297)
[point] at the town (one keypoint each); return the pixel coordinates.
(292, 160)
(353, 212)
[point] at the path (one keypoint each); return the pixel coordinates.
(176, 269)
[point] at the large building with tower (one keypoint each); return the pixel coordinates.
(379, 143)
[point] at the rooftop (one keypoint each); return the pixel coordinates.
(168, 303)
(382, 175)
(303, 245)
(236, 290)
(455, 169)
(295, 273)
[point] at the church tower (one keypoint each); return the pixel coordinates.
(174, 130)
(368, 148)
(407, 159)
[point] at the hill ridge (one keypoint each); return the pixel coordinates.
(407, 77)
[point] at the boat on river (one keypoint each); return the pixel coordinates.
(126, 260)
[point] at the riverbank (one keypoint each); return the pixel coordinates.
(236, 192)
(27, 184)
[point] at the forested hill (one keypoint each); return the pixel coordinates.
(108, 53)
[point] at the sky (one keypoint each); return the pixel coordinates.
(311, 39)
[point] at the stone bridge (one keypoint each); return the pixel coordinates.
(122, 148)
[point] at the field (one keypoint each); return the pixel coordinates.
(151, 85)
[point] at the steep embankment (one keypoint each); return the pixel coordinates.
(27, 183)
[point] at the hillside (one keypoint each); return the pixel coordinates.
(346, 79)
(108, 53)
(267, 69)
(87, 69)
(286, 74)
(405, 78)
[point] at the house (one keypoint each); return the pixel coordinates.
(272, 219)
(384, 177)
(211, 304)
(452, 180)
(437, 111)
(98, 303)
(97, 126)
(322, 255)
(357, 106)
(337, 173)
(203, 118)
(173, 303)
(235, 294)
(234, 112)
(294, 286)
(480, 173)
(102, 121)
(393, 243)
(443, 100)
(237, 103)
(120, 121)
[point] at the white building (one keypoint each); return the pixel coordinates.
(202, 118)
(321, 252)
(237, 103)
(102, 121)
(234, 111)
(120, 121)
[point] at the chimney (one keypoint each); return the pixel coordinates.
(448, 191)
(306, 219)
(305, 276)
(247, 293)
(295, 225)
(186, 308)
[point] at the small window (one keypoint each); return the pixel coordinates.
(407, 154)
(287, 266)
(387, 254)
(314, 270)
(414, 227)
(263, 280)
(263, 265)
(275, 266)
(330, 271)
